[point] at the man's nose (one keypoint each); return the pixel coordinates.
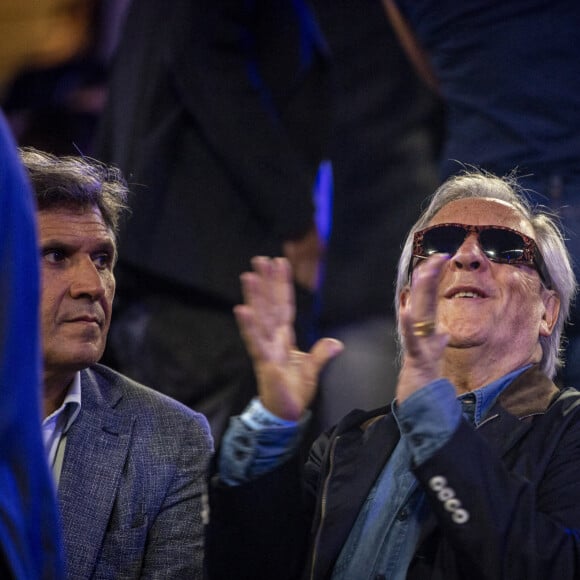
(87, 280)
(469, 255)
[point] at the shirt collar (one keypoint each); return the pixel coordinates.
(71, 404)
(483, 398)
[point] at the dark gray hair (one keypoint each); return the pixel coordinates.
(78, 182)
(547, 234)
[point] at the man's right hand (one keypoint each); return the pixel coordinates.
(287, 378)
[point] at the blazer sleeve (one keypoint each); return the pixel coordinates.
(516, 516)
(175, 543)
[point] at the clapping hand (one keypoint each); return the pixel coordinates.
(424, 344)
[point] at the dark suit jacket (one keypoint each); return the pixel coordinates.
(218, 113)
(130, 490)
(383, 159)
(516, 476)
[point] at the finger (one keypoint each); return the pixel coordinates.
(275, 299)
(323, 350)
(260, 287)
(425, 286)
(283, 291)
(275, 293)
(265, 319)
(417, 330)
(252, 293)
(418, 320)
(250, 332)
(262, 268)
(248, 287)
(421, 342)
(252, 317)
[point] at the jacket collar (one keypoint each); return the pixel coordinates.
(531, 393)
(509, 418)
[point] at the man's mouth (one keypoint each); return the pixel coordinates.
(467, 294)
(86, 319)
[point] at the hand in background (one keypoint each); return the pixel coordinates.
(305, 255)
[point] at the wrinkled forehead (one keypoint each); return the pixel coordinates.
(483, 211)
(73, 220)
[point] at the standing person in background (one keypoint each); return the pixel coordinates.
(383, 154)
(217, 114)
(30, 538)
(130, 463)
(509, 73)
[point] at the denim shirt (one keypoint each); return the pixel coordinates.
(390, 520)
(256, 442)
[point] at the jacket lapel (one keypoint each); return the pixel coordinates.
(510, 418)
(96, 449)
(359, 454)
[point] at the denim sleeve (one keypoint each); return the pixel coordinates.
(428, 418)
(257, 442)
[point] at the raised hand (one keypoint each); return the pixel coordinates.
(424, 346)
(287, 377)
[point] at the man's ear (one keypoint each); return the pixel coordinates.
(551, 302)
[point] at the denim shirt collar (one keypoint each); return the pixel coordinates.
(476, 403)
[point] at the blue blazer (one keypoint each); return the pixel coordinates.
(132, 482)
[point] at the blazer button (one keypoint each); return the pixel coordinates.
(445, 494)
(452, 504)
(437, 483)
(460, 516)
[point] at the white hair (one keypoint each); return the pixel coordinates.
(547, 234)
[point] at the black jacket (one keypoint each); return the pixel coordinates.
(218, 115)
(516, 476)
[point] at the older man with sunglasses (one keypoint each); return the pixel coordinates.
(472, 472)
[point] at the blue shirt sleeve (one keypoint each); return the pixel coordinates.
(257, 442)
(428, 418)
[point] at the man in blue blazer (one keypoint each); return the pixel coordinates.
(130, 463)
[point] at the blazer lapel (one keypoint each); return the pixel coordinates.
(96, 449)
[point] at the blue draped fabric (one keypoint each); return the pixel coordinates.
(30, 545)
